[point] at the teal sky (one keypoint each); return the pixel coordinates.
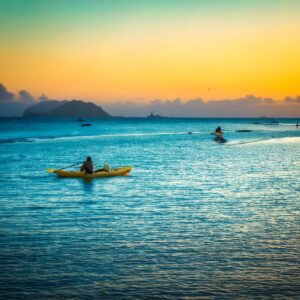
(31, 19)
(34, 11)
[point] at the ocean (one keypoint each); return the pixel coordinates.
(194, 219)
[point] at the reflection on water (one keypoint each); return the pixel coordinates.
(88, 184)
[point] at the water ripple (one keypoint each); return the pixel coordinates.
(192, 221)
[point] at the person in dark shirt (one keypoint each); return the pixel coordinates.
(87, 166)
(218, 130)
(219, 135)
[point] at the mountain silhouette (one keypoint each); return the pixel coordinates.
(74, 108)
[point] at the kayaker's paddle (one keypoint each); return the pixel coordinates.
(52, 170)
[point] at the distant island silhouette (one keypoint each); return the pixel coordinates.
(152, 116)
(74, 108)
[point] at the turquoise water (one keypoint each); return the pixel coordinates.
(195, 219)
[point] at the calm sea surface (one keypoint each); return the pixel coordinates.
(195, 219)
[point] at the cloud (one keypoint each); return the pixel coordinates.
(10, 105)
(25, 97)
(248, 106)
(43, 98)
(269, 101)
(292, 100)
(5, 96)
(195, 102)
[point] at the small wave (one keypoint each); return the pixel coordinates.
(29, 139)
(271, 140)
(289, 124)
(52, 138)
(124, 135)
(236, 143)
(15, 140)
(284, 140)
(130, 135)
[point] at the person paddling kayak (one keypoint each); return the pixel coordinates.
(87, 166)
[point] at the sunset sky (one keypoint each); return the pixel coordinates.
(143, 50)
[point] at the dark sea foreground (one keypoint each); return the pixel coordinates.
(195, 218)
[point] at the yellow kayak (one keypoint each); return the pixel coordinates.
(121, 171)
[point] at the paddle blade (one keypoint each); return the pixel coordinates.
(50, 170)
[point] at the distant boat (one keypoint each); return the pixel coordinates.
(86, 124)
(273, 122)
(80, 120)
(243, 130)
(152, 116)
